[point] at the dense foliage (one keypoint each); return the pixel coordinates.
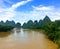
(52, 29)
(8, 25)
(36, 25)
(5, 28)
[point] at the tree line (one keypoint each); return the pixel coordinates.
(36, 25)
(52, 28)
(8, 25)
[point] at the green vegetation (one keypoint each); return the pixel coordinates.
(8, 25)
(52, 29)
(36, 25)
(13, 24)
(53, 32)
(5, 28)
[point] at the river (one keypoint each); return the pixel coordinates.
(25, 39)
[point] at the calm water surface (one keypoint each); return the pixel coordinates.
(25, 39)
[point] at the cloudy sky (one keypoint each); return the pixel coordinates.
(24, 10)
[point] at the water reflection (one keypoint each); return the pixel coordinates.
(4, 34)
(25, 39)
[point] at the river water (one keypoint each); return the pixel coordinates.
(25, 39)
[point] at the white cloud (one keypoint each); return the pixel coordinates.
(51, 11)
(43, 8)
(39, 12)
(8, 13)
(14, 6)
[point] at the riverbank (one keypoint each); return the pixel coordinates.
(26, 39)
(55, 38)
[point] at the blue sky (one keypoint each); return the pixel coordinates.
(24, 10)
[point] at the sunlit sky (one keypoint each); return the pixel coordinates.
(24, 10)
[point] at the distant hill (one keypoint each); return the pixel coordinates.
(8, 25)
(36, 25)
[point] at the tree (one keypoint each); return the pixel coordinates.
(2, 22)
(52, 31)
(40, 23)
(18, 25)
(30, 24)
(5, 28)
(10, 23)
(36, 24)
(24, 25)
(46, 19)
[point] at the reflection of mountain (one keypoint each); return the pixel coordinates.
(5, 34)
(17, 30)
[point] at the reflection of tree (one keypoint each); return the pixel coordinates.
(18, 30)
(27, 30)
(5, 34)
